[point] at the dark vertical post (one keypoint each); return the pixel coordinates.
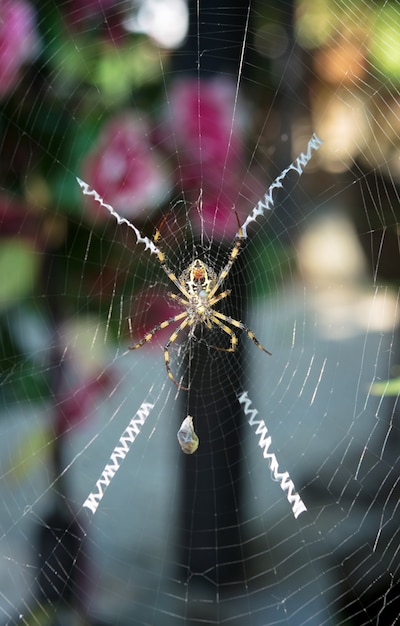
(288, 76)
(210, 538)
(210, 541)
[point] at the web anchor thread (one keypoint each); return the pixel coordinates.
(264, 442)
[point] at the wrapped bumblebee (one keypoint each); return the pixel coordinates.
(187, 438)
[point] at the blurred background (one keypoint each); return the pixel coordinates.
(180, 114)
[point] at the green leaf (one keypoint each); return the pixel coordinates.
(19, 270)
(385, 40)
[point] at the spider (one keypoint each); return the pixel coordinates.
(199, 285)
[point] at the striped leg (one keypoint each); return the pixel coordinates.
(166, 353)
(161, 258)
(228, 331)
(216, 299)
(154, 330)
(232, 257)
(211, 303)
(174, 296)
(242, 326)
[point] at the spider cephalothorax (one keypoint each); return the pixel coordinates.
(198, 280)
(198, 285)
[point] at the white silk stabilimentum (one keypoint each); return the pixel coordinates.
(265, 441)
(298, 165)
(88, 191)
(118, 454)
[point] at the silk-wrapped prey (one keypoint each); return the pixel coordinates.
(187, 438)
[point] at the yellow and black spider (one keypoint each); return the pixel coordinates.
(198, 285)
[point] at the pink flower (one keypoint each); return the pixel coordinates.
(206, 130)
(18, 41)
(125, 170)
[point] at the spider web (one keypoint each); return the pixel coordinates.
(179, 119)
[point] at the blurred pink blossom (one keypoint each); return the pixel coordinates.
(16, 218)
(216, 213)
(206, 130)
(88, 9)
(18, 41)
(215, 218)
(75, 404)
(125, 169)
(108, 14)
(206, 127)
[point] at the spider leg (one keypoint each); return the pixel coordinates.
(174, 296)
(228, 331)
(216, 299)
(242, 326)
(154, 330)
(171, 340)
(232, 257)
(163, 263)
